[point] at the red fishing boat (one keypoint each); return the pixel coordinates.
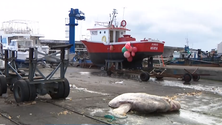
(111, 42)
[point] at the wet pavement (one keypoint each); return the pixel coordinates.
(91, 90)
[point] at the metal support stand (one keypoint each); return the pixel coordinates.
(113, 65)
(26, 87)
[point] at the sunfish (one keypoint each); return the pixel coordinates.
(142, 102)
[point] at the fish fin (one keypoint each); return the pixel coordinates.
(122, 109)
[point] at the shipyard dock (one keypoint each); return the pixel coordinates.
(91, 91)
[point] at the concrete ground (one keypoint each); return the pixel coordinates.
(91, 90)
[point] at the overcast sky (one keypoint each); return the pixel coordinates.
(169, 20)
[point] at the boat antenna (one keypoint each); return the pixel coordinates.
(187, 41)
(114, 16)
(123, 12)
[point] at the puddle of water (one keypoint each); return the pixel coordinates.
(200, 118)
(84, 73)
(86, 90)
(200, 87)
(98, 112)
(213, 108)
(184, 117)
(119, 82)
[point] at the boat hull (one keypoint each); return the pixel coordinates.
(99, 52)
(100, 58)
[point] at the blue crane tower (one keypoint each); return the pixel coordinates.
(74, 15)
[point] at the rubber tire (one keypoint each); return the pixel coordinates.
(66, 88)
(144, 76)
(196, 77)
(22, 86)
(3, 85)
(60, 92)
(159, 77)
(12, 81)
(188, 77)
(32, 91)
(109, 73)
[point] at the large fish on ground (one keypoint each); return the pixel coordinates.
(142, 102)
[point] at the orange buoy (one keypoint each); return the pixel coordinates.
(111, 47)
(134, 49)
(133, 53)
(130, 59)
(126, 54)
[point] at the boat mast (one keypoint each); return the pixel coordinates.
(113, 17)
(123, 12)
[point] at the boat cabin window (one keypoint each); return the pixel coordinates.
(111, 36)
(4, 41)
(114, 36)
(93, 32)
(13, 43)
(117, 36)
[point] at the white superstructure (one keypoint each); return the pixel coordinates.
(19, 35)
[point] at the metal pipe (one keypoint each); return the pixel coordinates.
(50, 55)
(40, 73)
(62, 57)
(53, 72)
(14, 70)
(6, 64)
(14, 58)
(31, 73)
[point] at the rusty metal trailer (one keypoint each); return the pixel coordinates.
(112, 66)
(26, 85)
(186, 77)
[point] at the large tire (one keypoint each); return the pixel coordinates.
(3, 85)
(32, 91)
(59, 92)
(66, 88)
(196, 77)
(159, 77)
(187, 77)
(109, 73)
(144, 76)
(21, 91)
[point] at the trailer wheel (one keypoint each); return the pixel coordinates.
(187, 77)
(66, 88)
(32, 91)
(58, 92)
(196, 77)
(109, 73)
(158, 77)
(3, 85)
(144, 76)
(21, 91)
